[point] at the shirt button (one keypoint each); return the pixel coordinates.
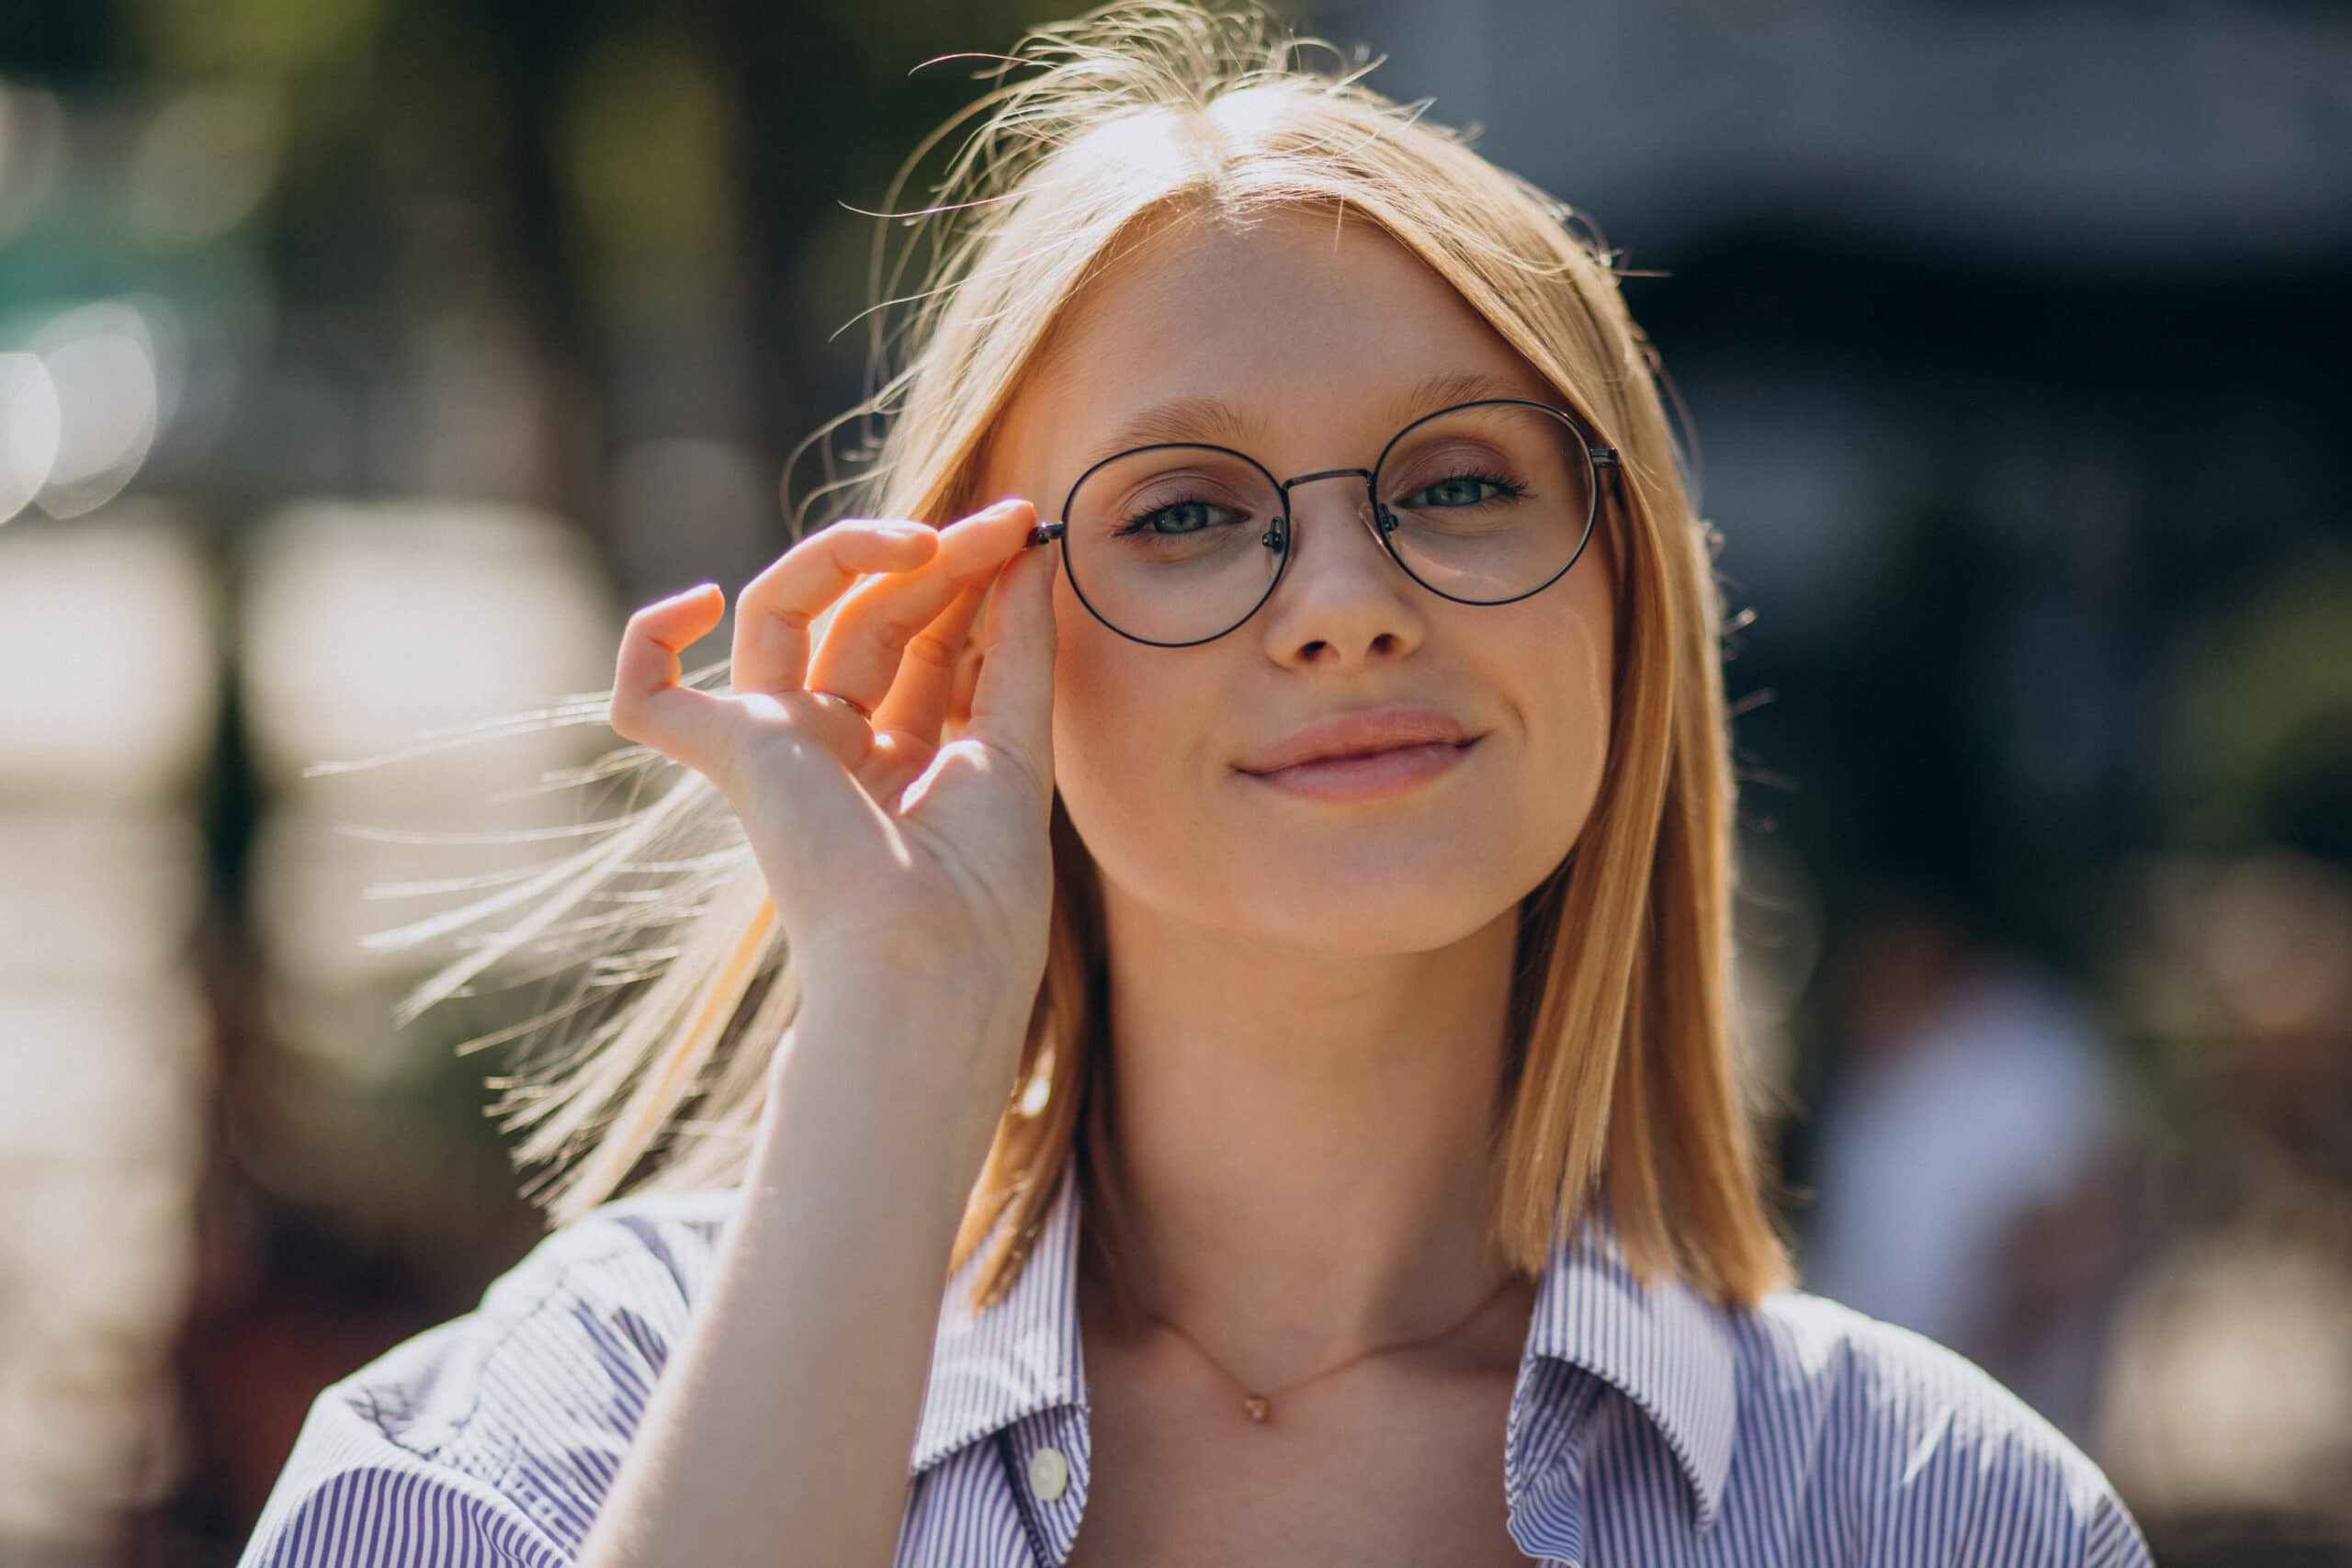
(1048, 1474)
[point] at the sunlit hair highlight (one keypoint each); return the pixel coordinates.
(1625, 1083)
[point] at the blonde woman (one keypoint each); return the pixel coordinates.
(1225, 863)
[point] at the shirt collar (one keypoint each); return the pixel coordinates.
(1669, 1349)
(1665, 1348)
(993, 1368)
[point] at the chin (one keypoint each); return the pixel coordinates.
(1361, 912)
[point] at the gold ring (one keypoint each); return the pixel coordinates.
(850, 702)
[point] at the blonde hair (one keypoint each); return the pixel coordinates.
(1623, 1081)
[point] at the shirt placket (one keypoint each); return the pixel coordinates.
(1044, 1462)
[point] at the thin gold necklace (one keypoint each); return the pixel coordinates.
(1259, 1404)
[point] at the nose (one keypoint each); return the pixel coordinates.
(1342, 596)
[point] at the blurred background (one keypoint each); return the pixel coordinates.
(361, 361)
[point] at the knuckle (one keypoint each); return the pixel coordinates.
(840, 544)
(931, 651)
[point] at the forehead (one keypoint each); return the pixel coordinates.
(1314, 329)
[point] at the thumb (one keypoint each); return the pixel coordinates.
(1012, 701)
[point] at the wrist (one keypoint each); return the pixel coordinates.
(924, 1089)
(931, 1038)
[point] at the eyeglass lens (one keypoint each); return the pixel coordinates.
(1482, 503)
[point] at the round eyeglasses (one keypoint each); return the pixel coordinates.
(1179, 543)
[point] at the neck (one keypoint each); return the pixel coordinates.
(1301, 1146)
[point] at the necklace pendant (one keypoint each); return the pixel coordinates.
(1258, 1408)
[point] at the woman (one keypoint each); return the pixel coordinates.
(1291, 830)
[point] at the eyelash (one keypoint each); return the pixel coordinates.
(1509, 490)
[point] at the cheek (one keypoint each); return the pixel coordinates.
(1570, 707)
(1090, 674)
(1140, 739)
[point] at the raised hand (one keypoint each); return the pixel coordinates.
(892, 855)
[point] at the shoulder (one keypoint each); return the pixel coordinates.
(491, 1437)
(1911, 1441)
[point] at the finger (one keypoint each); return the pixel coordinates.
(919, 698)
(649, 706)
(1012, 702)
(774, 611)
(868, 636)
(907, 725)
(966, 681)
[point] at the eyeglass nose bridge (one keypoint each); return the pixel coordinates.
(1277, 537)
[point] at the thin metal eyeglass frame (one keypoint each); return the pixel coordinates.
(1277, 537)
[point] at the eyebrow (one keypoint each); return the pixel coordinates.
(1212, 420)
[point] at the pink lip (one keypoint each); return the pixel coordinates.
(1370, 776)
(1357, 733)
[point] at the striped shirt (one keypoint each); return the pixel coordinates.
(1647, 1427)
